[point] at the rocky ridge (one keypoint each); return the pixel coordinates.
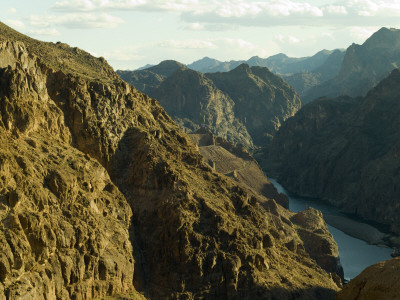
(82, 152)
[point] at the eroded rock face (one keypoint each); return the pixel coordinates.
(77, 150)
(64, 224)
(379, 281)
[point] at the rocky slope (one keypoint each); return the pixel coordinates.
(380, 281)
(244, 106)
(82, 152)
(194, 101)
(236, 163)
(363, 66)
(262, 100)
(345, 150)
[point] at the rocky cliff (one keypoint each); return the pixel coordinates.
(363, 67)
(380, 281)
(101, 193)
(345, 150)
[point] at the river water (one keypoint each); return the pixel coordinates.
(355, 255)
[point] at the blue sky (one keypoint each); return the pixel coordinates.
(132, 33)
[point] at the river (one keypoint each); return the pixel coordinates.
(355, 254)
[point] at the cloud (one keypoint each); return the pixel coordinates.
(108, 5)
(216, 43)
(18, 24)
(76, 21)
(126, 53)
(44, 32)
(12, 10)
(362, 33)
(219, 15)
(188, 44)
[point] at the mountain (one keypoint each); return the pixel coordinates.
(148, 80)
(262, 100)
(279, 63)
(363, 66)
(102, 194)
(193, 101)
(304, 81)
(244, 106)
(345, 150)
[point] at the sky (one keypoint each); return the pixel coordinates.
(133, 33)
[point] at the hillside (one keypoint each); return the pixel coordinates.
(345, 150)
(364, 66)
(101, 194)
(194, 101)
(262, 100)
(244, 106)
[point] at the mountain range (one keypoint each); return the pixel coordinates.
(245, 105)
(363, 67)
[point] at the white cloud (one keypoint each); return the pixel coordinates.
(12, 10)
(150, 5)
(126, 53)
(335, 9)
(362, 33)
(18, 24)
(79, 20)
(44, 32)
(188, 44)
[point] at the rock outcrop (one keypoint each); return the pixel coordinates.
(64, 224)
(379, 281)
(345, 150)
(101, 193)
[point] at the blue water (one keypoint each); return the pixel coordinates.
(355, 255)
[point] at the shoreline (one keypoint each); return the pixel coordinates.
(359, 230)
